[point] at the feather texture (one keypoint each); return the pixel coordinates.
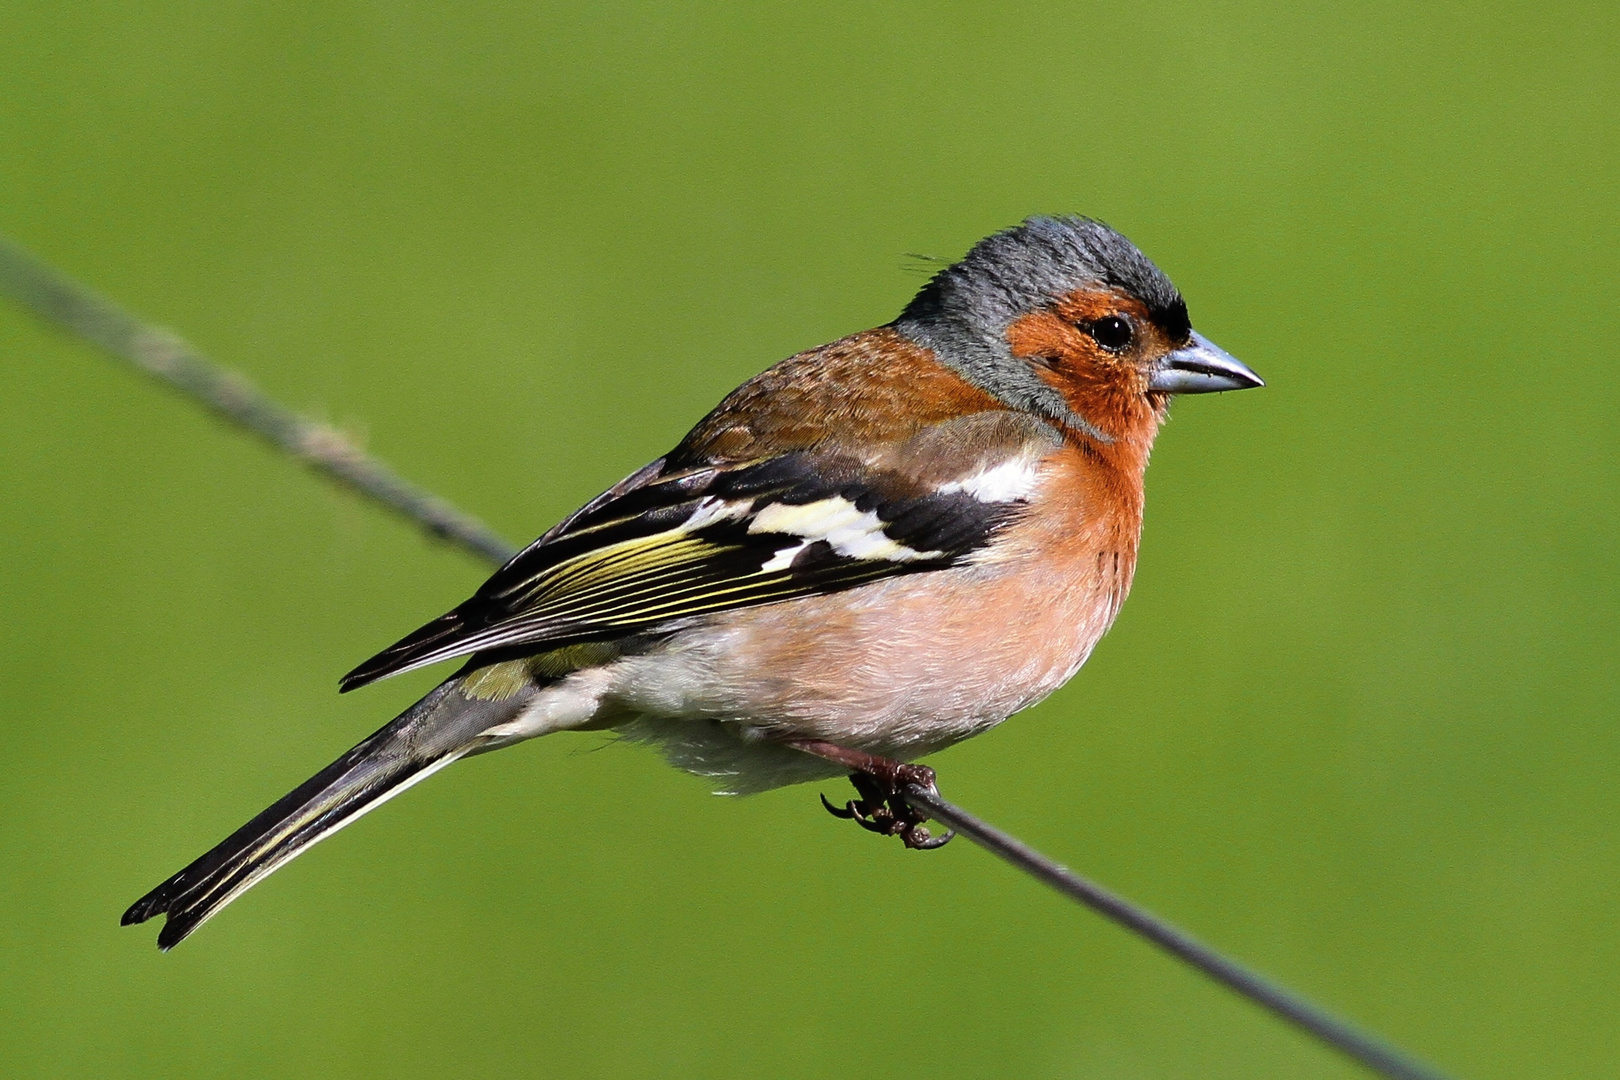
(674, 543)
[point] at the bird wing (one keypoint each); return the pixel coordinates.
(672, 542)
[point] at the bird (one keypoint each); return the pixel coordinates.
(869, 552)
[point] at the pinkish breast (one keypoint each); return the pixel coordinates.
(911, 664)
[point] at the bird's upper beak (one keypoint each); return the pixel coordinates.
(1201, 368)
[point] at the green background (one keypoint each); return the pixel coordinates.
(1356, 725)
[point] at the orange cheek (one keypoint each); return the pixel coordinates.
(1042, 333)
(1090, 380)
(1075, 364)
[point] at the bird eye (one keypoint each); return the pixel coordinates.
(1112, 332)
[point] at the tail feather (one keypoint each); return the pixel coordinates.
(431, 734)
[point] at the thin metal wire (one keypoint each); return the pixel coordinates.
(53, 296)
(58, 299)
(1341, 1036)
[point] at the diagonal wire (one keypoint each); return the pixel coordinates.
(60, 300)
(55, 297)
(1344, 1037)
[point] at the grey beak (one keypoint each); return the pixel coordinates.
(1202, 368)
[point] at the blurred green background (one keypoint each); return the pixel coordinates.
(1356, 725)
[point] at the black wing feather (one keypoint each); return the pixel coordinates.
(633, 561)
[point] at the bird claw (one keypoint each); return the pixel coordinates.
(882, 807)
(920, 839)
(847, 811)
(877, 822)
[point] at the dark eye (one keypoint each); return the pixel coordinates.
(1111, 332)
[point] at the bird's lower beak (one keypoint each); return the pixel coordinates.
(1201, 368)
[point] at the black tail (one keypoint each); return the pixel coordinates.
(431, 734)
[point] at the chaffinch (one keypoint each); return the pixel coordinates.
(871, 551)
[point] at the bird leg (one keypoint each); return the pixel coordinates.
(881, 783)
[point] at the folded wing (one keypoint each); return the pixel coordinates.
(672, 543)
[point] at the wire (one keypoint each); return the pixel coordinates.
(1341, 1036)
(56, 298)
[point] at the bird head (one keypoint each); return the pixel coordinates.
(1064, 318)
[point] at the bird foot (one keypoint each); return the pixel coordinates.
(889, 814)
(881, 783)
